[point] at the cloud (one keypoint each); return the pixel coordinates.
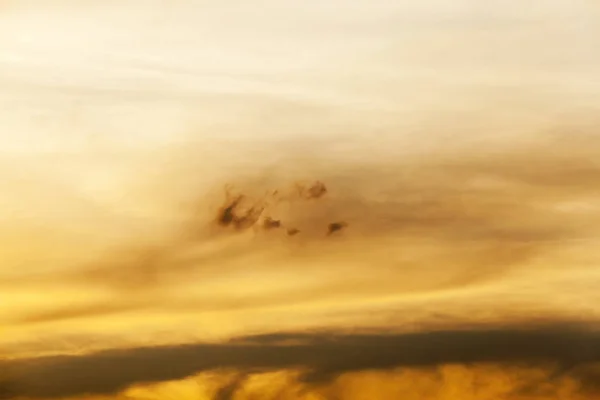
(322, 355)
(444, 218)
(227, 391)
(462, 194)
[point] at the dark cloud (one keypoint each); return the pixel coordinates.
(271, 223)
(242, 211)
(293, 231)
(227, 391)
(322, 355)
(6, 386)
(313, 191)
(335, 227)
(231, 215)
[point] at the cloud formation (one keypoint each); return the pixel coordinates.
(423, 167)
(513, 203)
(323, 356)
(465, 227)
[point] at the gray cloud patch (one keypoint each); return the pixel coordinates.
(323, 355)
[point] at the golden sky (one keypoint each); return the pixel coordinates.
(457, 140)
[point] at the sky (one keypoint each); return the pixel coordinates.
(174, 174)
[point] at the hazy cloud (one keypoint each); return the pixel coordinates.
(512, 203)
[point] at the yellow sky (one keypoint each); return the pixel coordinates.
(458, 139)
